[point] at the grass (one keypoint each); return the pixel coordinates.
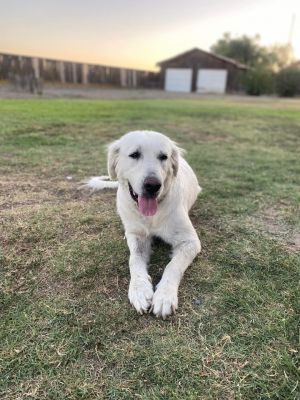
(67, 331)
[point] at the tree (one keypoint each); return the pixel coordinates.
(264, 62)
(283, 56)
(288, 82)
(249, 51)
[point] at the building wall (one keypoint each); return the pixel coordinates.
(196, 61)
(12, 66)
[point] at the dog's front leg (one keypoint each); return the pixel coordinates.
(140, 291)
(165, 299)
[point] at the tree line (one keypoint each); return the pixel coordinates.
(271, 69)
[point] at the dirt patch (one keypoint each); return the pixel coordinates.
(294, 243)
(94, 92)
(21, 191)
(273, 221)
(50, 285)
(72, 91)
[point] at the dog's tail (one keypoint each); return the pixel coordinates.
(96, 183)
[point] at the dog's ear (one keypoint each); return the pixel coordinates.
(175, 159)
(112, 159)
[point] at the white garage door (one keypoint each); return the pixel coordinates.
(211, 80)
(178, 80)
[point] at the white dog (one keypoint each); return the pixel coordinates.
(156, 189)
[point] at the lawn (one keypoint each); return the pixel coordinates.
(66, 328)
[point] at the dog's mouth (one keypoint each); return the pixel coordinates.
(146, 205)
(134, 195)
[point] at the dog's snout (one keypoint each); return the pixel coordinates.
(151, 186)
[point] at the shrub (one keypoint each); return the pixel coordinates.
(259, 81)
(288, 82)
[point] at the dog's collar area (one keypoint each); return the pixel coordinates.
(132, 193)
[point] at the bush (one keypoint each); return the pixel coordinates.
(288, 82)
(259, 81)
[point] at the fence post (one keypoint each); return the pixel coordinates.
(74, 72)
(36, 67)
(85, 71)
(134, 79)
(62, 71)
(123, 77)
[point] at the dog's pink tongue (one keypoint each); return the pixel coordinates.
(147, 207)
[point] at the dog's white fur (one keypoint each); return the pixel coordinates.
(171, 222)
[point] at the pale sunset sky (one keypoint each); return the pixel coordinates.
(138, 34)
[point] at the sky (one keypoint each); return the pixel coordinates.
(138, 34)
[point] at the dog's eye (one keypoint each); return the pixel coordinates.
(136, 155)
(162, 157)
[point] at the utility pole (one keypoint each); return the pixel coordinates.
(292, 26)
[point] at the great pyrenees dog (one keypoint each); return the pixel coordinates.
(156, 189)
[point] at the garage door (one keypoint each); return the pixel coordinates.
(178, 80)
(211, 80)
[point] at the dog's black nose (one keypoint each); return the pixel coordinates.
(151, 186)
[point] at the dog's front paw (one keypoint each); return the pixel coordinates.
(165, 300)
(140, 293)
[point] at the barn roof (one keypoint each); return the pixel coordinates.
(194, 50)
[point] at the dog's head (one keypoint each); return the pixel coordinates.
(144, 162)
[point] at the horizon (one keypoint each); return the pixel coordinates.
(117, 34)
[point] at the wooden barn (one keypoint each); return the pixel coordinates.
(203, 72)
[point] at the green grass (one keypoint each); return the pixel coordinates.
(67, 330)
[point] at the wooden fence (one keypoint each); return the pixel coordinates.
(33, 71)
